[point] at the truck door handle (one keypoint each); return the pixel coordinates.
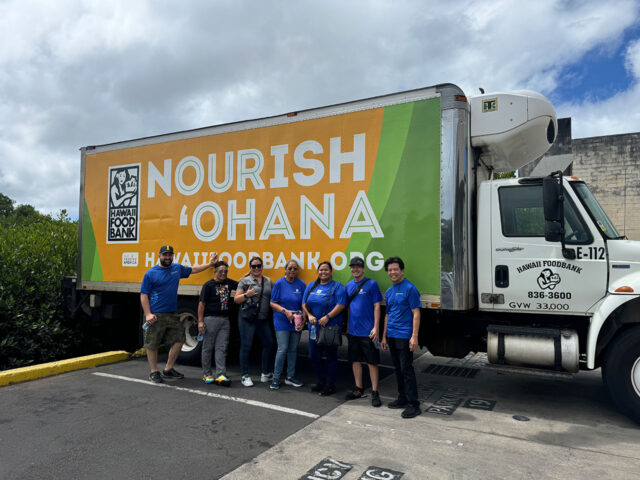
(502, 276)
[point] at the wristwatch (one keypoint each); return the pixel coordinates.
(328, 316)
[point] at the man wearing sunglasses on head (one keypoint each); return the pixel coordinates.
(213, 323)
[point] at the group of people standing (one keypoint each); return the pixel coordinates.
(323, 305)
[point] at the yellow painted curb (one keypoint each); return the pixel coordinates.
(23, 374)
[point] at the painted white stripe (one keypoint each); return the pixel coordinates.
(253, 403)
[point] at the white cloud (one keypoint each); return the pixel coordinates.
(77, 73)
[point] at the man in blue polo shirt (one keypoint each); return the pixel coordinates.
(402, 323)
(159, 299)
(363, 302)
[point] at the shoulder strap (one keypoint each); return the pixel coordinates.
(326, 305)
(315, 284)
(357, 290)
(260, 297)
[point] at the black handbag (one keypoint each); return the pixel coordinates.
(329, 335)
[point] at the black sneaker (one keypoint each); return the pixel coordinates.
(355, 394)
(399, 403)
(155, 377)
(317, 388)
(375, 399)
(172, 373)
(328, 390)
(411, 411)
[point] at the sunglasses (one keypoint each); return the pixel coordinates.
(222, 271)
(256, 265)
(292, 268)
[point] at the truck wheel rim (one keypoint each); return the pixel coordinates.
(191, 342)
(635, 376)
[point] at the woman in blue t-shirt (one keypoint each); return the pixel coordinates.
(324, 302)
(286, 302)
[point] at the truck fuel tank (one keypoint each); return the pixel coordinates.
(533, 347)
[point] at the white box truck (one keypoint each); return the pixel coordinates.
(529, 270)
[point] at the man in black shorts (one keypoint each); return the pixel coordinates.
(363, 302)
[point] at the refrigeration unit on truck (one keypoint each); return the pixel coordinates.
(529, 270)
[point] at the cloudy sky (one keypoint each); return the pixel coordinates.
(76, 73)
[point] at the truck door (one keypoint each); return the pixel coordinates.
(531, 274)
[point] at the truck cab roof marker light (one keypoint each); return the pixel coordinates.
(460, 98)
(624, 289)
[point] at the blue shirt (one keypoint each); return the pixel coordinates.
(289, 296)
(361, 319)
(161, 284)
(317, 300)
(401, 300)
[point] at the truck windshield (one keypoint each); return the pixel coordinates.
(595, 210)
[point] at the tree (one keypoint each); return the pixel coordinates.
(6, 206)
(39, 251)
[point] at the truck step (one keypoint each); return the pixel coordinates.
(539, 372)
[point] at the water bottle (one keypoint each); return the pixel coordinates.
(312, 331)
(145, 326)
(376, 343)
(200, 336)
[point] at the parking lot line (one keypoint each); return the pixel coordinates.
(254, 403)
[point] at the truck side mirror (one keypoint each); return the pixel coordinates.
(553, 231)
(552, 199)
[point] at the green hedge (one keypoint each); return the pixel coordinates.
(36, 252)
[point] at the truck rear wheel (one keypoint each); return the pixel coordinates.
(191, 349)
(621, 372)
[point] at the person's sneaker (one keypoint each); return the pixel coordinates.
(328, 390)
(223, 381)
(155, 377)
(266, 377)
(246, 381)
(275, 384)
(375, 399)
(172, 373)
(317, 388)
(208, 379)
(399, 403)
(355, 394)
(411, 411)
(293, 382)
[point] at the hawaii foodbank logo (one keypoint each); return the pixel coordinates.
(124, 204)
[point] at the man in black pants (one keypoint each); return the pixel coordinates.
(402, 323)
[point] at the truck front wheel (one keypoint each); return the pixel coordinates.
(621, 372)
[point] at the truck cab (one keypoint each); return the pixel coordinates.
(558, 285)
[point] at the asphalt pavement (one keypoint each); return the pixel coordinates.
(478, 422)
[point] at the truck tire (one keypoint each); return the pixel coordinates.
(621, 372)
(192, 349)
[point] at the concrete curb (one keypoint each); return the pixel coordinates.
(23, 374)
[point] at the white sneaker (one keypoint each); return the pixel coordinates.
(246, 381)
(266, 377)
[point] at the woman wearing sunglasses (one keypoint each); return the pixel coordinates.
(324, 302)
(254, 294)
(286, 302)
